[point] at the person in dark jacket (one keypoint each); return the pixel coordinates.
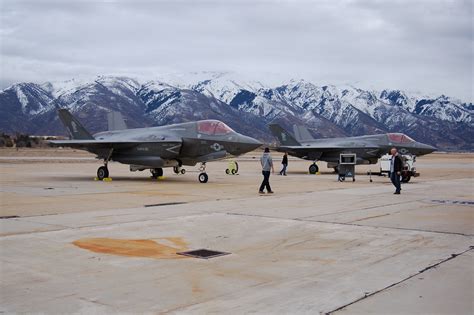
(396, 166)
(284, 164)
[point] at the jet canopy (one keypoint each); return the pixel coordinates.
(399, 138)
(213, 128)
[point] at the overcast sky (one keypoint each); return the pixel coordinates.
(414, 45)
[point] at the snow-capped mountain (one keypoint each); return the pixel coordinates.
(246, 105)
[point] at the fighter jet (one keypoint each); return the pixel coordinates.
(368, 149)
(155, 148)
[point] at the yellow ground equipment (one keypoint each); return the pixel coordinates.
(232, 168)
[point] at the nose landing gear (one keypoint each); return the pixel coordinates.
(203, 178)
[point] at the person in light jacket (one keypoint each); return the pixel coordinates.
(267, 166)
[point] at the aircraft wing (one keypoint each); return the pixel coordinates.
(314, 152)
(98, 144)
(325, 147)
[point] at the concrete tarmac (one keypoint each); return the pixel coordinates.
(70, 244)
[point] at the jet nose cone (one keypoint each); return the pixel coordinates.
(431, 148)
(427, 149)
(250, 143)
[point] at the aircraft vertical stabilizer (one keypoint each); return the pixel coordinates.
(285, 138)
(74, 127)
(302, 134)
(115, 121)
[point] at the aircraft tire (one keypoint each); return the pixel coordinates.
(102, 172)
(406, 179)
(156, 172)
(203, 178)
(176, 170)
(313, 169)
(183, 171)
(227, 171)
(234, 172)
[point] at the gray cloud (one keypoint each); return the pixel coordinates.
(415, 45)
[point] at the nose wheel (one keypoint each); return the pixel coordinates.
(203, 178)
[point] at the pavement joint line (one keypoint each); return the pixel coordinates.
(374, 216)
(43, 223)
(361, 209)
(391, 227)
(66, 228)
(349, 224)
(367, 295)
(218, 296)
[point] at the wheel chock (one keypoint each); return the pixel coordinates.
(318, 173)
(107, 179)
(161, 177)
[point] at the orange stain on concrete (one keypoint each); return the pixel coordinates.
(135, 248)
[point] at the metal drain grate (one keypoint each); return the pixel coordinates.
(203, 253)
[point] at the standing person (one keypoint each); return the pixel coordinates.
(267, 165)
(396, 165)
(284, 163)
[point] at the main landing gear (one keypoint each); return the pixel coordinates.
(203, 178)
(103, 171)
(313, 168)
(156, 172)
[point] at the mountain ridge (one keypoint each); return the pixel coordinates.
(247, 106)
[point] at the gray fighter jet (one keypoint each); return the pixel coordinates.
(368, 149)
(157, 147)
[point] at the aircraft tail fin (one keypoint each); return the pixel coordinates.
(284, 137)
(73, 126)
(302, 133)
(115, 121)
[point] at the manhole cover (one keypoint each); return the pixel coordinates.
(203, 253)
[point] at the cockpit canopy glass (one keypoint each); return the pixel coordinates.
(213, 128)
(399, 138)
